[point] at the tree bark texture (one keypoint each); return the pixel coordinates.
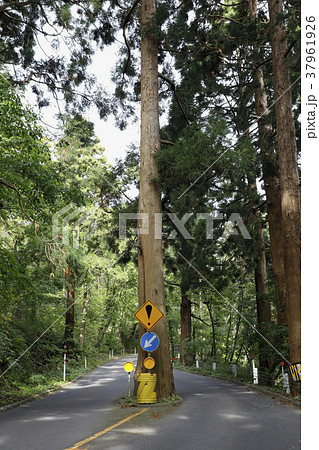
(150, 253)
(261, 278)
(263, 306)
(211, 316)
(288, 175)
(186, 330)
(273, 197)
(271, 186)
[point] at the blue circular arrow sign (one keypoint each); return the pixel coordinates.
(149, 341)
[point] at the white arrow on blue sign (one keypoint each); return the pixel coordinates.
(149, 341)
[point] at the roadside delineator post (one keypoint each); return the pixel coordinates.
(196, 360)
(85, 361)
(214, 366)
(64, 363)
(255, 371)
(234, 370)
(129, 367)
(285, 378)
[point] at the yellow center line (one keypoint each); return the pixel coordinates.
(100, 433)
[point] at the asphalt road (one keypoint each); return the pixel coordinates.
(214, 415)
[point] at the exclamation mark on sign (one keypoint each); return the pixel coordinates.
(148, 312)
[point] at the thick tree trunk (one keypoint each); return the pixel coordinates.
(272, 188)
(261, 283)
(150, 253)
(261, 278)
(84, 314)
(263, 307)
(273, 197)
(289, 176)
(186, 329)
(263, 304)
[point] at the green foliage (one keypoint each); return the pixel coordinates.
(26, 171)
(39, 269)
(207, 88)
(26, 28)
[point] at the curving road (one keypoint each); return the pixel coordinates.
(214, 415)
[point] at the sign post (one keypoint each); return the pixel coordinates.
(129, 367)
(129, 384)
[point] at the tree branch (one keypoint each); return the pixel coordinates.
(257, 207)
(19, 199)
(163, 141)
(125, 22)
(172, 84)
(198, 318)
(17, 4)
(291, 46)
(171, 283)
(26, 80)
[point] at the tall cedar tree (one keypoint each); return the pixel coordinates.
(289, 176)
(150, 253)
(271, 182)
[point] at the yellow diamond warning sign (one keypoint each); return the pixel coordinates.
(148, 315)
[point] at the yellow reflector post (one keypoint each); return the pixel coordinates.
(128, 366)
